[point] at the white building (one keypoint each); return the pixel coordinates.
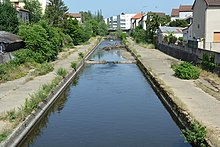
(183, 12)
(113, 24)
(21, 4)
(135, 20)
(122, 21)
(206, 24)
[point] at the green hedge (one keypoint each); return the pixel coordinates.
(187, 71)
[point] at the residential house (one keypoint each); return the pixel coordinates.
(165, 31)
(142, 21)
(135, 20)
(183, 12)
(77, 16)
(21, 4)
(22, 14)
(206, 24)
(175, 14)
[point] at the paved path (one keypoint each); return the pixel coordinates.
(199, 104)
(14, 93)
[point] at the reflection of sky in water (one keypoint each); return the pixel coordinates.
(112, 55)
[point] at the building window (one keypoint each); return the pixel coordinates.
(198, 26)
(216, 37)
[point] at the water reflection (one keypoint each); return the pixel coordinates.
(57, 107)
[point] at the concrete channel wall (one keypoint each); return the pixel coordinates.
(23, 129)
(188, 54)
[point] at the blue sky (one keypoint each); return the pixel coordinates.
(115, 7)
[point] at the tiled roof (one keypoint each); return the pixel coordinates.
(213, 2)
(158, 13)
(175, 13)
(74, 15)
(165, 29)
(137, 16)
(185, 8)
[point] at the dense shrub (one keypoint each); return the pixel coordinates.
(208, 62)
(195, 135)
(186, 71)
(43, 40)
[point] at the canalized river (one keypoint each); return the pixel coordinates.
(109, 105)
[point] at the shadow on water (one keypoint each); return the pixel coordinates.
(57, 107)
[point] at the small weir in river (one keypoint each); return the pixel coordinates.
(109, 105)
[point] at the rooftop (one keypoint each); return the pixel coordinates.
(165, 29)
(213, 2)
(138, 16)
(175, 13)
(74, 15)
(185, 8)
(7, 37)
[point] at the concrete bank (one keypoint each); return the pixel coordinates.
(25, 127)
(188, 101)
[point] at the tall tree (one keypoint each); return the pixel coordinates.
(153, 22)
(55, 12)
(35, 10)
(8, 17)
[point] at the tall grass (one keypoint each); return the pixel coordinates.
(61, 72)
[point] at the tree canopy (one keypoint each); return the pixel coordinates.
(55, 12)
(35, 10)
(8, 17)
(178, 23)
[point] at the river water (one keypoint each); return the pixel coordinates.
(109, 105)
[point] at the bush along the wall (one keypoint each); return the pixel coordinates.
(195, 135)
(186, 71)
(208, 62)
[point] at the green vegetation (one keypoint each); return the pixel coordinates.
(170, 39)
(139, 35)
(208, 62)
(62, 72)
(187, 71)
(3, 136)
(81, 55)
(195, 135)
(8, 17)
(43, 69)
(35, 10)
(74, 65)
(178, 23)
(55, 12)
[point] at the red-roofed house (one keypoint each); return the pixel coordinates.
(76, 16)
(183, 12)
(135, 20)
